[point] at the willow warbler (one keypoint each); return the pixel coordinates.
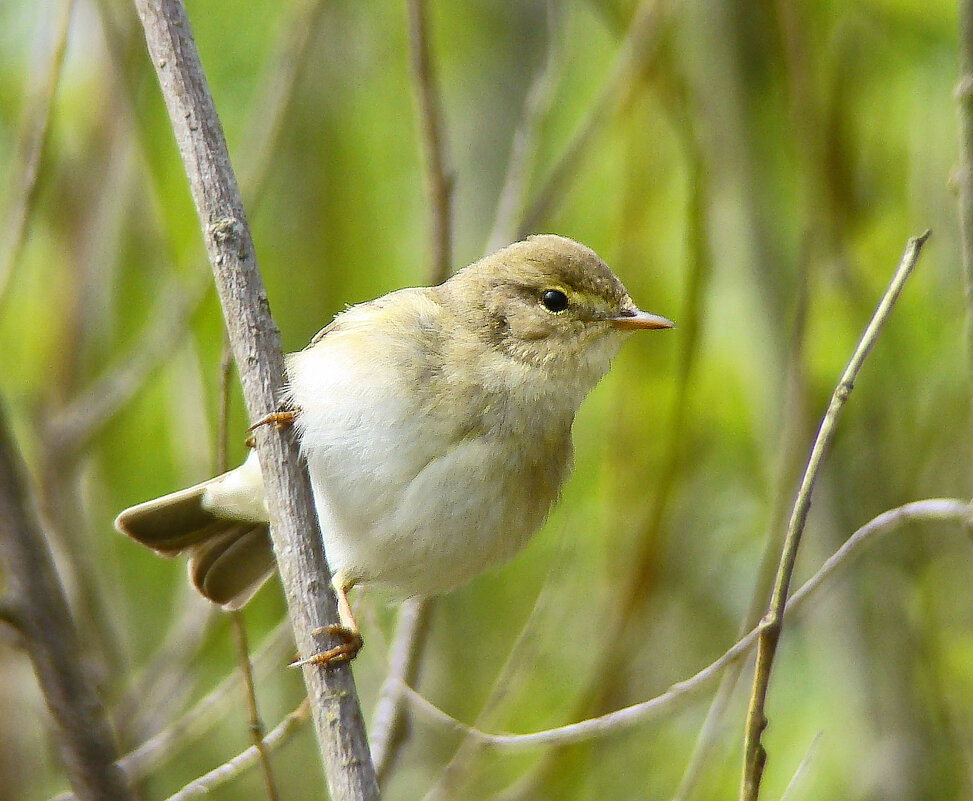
(436, 425)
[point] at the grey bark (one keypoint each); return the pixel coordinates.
(255, 342)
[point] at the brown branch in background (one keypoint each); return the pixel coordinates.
(256, 346)
(256, 726)
(30, 152)
(941, 510)
(209, 710)
(224, 773)
(388, 727)
(754, 754)
(964, 173)
(635, 54)
(83, 735)
(439, 180)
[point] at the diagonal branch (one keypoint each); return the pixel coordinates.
(255, 341)
(388, 727)
(754, 755)
(230, 770)
(949, 510)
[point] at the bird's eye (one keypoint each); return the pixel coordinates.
(554, 300)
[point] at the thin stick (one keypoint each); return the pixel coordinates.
(256, 725)
(256, 346)
(230, 770)
(931, 510)
(388, 721)
(754, 754)
(439, 181)
(206, 712)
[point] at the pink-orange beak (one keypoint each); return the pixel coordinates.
(634, 319)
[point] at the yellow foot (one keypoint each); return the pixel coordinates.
(280, 419)
(351, 643)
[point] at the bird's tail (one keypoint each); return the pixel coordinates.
(229, 558)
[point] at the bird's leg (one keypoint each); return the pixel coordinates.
(346, 630)
(279, 419)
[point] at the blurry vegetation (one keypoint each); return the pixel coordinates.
(753, 172)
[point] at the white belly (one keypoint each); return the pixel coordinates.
(406, 498)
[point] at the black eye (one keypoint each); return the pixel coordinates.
(554, 300)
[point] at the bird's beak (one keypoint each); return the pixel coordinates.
(633, 319)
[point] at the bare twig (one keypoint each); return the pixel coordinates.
(84, 736)
(253, 713)
(256, 347)
(439, 180)
(754, 753)
(521, 656)
(230, 770)
(206, 712)
(949, 510)
(388, 723)
(789, 450)
(23, 176)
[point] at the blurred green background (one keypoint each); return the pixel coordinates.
(751, 170)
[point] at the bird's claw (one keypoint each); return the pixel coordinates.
(279, 419)
(346, 650)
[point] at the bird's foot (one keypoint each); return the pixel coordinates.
(346, 650)
(279, 419)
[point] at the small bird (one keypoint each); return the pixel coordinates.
(436, 426)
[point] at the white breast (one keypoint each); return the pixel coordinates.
(406, 498)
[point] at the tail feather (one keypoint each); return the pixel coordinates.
(230, 567)
(229, 559)
(172, 523)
